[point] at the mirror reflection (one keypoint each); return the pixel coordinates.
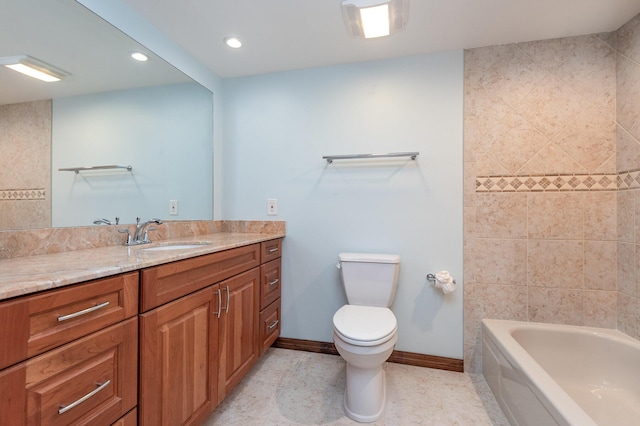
(107, 110)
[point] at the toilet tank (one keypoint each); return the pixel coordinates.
(369, 279)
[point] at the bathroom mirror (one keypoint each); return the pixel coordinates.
(107, 110)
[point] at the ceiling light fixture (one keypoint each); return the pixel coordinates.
(33, 67)
(139, 56)
(233, 42)
(375, 18)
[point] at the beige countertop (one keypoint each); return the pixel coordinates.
(30, 274)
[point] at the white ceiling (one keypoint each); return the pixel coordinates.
(292, 34)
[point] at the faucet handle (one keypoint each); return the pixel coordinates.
(126, 231)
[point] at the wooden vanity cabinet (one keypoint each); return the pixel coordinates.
(90, 375)
(178, 360)
(270, 290)
(238, 329)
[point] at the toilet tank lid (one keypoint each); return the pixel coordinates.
(369, 257)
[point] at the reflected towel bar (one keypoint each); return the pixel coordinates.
(83, 169)
(330, 158)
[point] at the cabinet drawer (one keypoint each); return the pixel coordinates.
(164, 283)
(270, 250)
(270, 282)
(91, 381)
(34, 324)
(269, 325)
(129, 419)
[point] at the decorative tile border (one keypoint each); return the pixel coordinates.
(629, 179)
(22, 194)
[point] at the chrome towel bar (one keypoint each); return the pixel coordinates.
(330, 158)
(83, 169)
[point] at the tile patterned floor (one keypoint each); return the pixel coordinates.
(290, 388)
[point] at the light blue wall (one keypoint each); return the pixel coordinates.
(127, 20)
(163, 132)
(278, 126)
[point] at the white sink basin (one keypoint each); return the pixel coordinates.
(177, 246)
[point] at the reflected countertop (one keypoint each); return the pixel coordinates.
(30, 274)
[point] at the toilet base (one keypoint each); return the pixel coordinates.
(365, 395)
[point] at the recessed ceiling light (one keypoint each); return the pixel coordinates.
(139, 56)
(233, 42)
(33, 67)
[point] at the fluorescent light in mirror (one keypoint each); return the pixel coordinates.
(34, 68)
(233, 42)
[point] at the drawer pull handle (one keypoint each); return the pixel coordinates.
(63, 409)
(273, 325)
(82, 312)
(273, 250)
(226, 308)
(219, 303)
(274, 282)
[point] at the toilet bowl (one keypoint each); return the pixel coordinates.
(365, 330)
(365, 337)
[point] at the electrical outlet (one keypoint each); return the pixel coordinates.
(272, 207)
(173, 207)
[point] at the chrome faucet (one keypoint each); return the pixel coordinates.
(106, 221)
(141, 236)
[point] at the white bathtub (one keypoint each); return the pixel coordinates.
(547, 374)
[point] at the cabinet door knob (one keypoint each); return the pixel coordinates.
(82, 312)
(273, 250)
(273, 325)
(274, 282)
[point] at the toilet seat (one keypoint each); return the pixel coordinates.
(364, 325)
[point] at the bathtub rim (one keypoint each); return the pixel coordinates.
(554, 398)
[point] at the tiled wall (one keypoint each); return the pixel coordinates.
(628, 140)
(540, 184)
(552, 183)
(25, 165)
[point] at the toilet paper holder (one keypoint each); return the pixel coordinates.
(432, 278)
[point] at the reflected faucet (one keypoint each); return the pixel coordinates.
(106, 221)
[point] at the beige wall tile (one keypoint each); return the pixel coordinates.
(590, 139)
(600, 308)
(629, 315)
(628, 39)
(628, 96)
(501, 215)
(625, 213)
(508, 72)
(555, 216)
(626, 269)
(600, 265)
(503, 302)
(551, 106)
(590, 69)
(628, 149)
(556, 305)
(555, 263)
(551, 160)
(499, 261)
(600, 215)
(512, 141)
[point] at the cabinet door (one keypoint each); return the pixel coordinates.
(238, 329)
(90, 381)
(178, 360)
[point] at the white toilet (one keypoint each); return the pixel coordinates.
(365, 331)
